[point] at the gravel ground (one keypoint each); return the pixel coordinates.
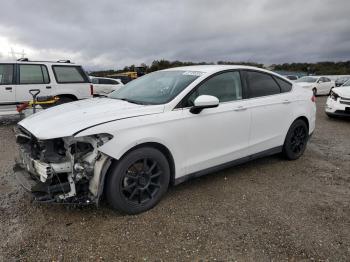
(268, 209)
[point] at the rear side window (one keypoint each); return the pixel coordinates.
(69, 74)
(284, 85)
(6, 74)
(105, 81)
(33, 74)
(261, 84)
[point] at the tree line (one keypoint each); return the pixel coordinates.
(320, 68)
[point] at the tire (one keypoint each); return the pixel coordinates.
(138, 181)
(315, 91)
(296, 140)
(64, 100)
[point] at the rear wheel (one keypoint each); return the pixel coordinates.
(63, 100)
(296, 140)
(138, 181)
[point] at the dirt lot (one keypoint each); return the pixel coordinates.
(269, 209)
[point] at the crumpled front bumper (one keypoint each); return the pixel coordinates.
(40, 191)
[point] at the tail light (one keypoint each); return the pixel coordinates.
(91, 90)
(313, 98)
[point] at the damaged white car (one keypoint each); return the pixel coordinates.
(158, 130)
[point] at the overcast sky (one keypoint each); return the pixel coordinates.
(112, 34)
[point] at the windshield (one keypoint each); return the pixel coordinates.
(156, 88)
(307, 79)
(347, 83)
(342, 79)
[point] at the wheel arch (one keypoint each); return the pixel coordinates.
(73, 97)
(303, 118)
(162, 148)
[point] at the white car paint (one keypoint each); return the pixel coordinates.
(338, 103)
(102, 86)
(322, 85)
(16, 92)
(218, 135)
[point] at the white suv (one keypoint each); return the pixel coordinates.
(160, 129)
(62, 78)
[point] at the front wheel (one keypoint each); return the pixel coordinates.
(138, 181)
(315, 91)
(296, 140)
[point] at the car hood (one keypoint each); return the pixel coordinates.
(68, 119)
(343, 91)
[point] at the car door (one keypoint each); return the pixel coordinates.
(7, 79)
(216, 135)
(29, 77)
(270, 108)
(328, 85)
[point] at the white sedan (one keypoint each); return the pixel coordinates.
(161, 129)
(338, 102)
(320, 85)
(102, 86)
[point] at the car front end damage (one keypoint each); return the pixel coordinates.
(338, 106)
(63, 170)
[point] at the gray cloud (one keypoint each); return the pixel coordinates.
(115, 33)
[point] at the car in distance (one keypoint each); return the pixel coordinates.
(62, 78)
(320, 85)
(340, 81)
(338, 102)
(102, 86)
(291, 77)
(161, 129)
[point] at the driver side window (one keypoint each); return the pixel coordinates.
(226, 87)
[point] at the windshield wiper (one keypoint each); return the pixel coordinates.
(133, 101)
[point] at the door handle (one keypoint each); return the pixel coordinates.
(8, 88)
(240, 108)
(48, 87)
(286, 101)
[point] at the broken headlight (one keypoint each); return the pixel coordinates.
(334, 96)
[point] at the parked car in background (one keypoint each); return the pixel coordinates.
(338, 102)
(291, 77)
(162, 129)
(320, 85)
(63, 79)
(124, 78)
(341, 81)
(103, 86)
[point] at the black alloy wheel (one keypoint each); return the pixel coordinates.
(296, 140)
(141, 181)
(138, 181)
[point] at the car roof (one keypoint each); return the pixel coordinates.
(39, 63)
(209, 69)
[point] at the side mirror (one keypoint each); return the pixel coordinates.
(202, 102)
(319, 81)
